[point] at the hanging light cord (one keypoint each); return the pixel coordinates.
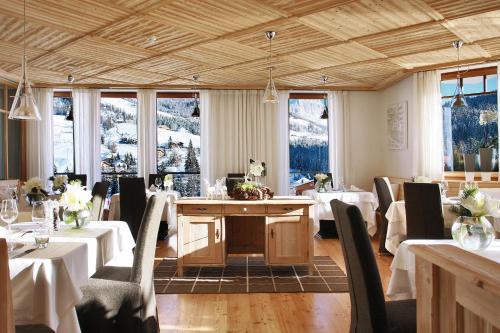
(270, 57)
(24, 29)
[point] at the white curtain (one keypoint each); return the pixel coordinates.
(40, 146)
(146, 101)
(206, 173)
(282, 145)
(240, 126)
(430, 125)
(338, 135)
(87, 115)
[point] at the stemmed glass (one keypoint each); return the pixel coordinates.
(8, 214)
(158, 183)
(443, 185)
(39, 212)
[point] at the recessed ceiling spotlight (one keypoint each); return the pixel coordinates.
(152, 39)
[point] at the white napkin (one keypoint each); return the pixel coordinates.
(355, 189)
(152, 188)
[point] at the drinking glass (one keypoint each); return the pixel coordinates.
(443, 185)
(8, 214)
(42, 235)
(39, 212)
(158, 183)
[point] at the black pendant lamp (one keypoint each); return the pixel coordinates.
(196, 109)
(69, 115)
(325, 100)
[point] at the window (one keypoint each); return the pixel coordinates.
(308, 137)
(178, 141)
(462, 130)
(118, 137)
(64, 148)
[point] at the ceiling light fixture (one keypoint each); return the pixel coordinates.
(24, 106)
(270, 94)
(458, 101)
(196, 109)
(325, 98)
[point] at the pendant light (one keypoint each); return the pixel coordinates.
(69, 114)
(24, 106)
(458, 101)
(196, 109)
(270, 94)
(325, 109)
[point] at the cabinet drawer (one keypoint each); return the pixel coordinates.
(287, 209)
(201, 209)
(244, 210)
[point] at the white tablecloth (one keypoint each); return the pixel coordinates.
(402, 282)
(46, 283)
(169, 213)
(365, 201)
(396, 229)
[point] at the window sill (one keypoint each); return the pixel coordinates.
(460, 176)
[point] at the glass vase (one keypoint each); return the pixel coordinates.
(78, 218)
(473, 233)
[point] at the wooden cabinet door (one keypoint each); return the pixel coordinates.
(202, 240)
(288, 239)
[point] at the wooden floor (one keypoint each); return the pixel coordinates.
(295, 312)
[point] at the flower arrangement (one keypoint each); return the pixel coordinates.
(322, 180)
(474, 203)
(487, 117)
(76, 202)
(59, 183)
(257, 168)
(34, 190)
(251, 191)
(168, 181)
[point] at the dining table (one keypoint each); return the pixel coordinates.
(365, 201)
(46, 282)
(402, 281)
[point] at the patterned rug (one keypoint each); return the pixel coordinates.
(250, 275)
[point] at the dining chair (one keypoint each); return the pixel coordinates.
(370, 313)
(132, 202)
(385, 198)
(235, 175)
(6, 306)
(163, 231)
(99, 193)
(424, 211)
(152, 177)
(81, 178)
(122, 299)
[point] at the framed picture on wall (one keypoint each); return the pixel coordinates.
(397, 126)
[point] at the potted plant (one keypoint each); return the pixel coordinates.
(470, 157)
(77, 201)
(472, 230)
(486, 118)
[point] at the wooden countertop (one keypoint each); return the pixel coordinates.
(278, 201)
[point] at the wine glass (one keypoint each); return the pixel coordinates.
(443, 185)
(39, 212)
(158, 183)
(8, 214)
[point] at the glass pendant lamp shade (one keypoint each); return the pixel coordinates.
(325, 110)
(458, 101)
(24, 106)
(196, 111)
(271, 94)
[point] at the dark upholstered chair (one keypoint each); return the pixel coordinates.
(163, 231)
(132, 202)
(385, 198)
(424, 212)
(122, 299)
(81, 178)
(235, 175)
(99, 193)
(369, 311)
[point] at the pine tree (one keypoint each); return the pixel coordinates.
(170, 142)
(191, 164)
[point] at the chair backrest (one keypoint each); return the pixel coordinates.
(132, 202)
(424, 211)
(384, 194)
(99, 193)
(81, 178)
(144, 253)
(152, 177)
(368, 314)
(235, 175)
(6, 307)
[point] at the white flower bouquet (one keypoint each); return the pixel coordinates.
(77, 201)
(168, 181)
(321, 180)
(33, 188)
(257, 168)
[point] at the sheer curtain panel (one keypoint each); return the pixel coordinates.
(40, 147)
(430, 125)
(338, 135)
(206, 173)
(87, 117)
(146, 100)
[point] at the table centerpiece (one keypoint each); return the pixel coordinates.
(33, 188)
(77, 201)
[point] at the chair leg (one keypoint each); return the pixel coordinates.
(382, 251)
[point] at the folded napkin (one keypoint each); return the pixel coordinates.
(355, 189)
(152, 188)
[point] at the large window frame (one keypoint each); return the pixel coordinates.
(314, 96)
(484, 72)
(66, 94)
(167, 94)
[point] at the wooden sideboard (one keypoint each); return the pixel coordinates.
(210, 230)
(457, 291)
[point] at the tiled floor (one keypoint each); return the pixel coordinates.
(250, 275)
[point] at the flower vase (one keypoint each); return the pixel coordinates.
(320, 187)
(78, 218)
(473, 233)
(486, 159)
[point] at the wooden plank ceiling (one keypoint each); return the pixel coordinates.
(358, 44)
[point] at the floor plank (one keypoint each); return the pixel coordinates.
(292, 312)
